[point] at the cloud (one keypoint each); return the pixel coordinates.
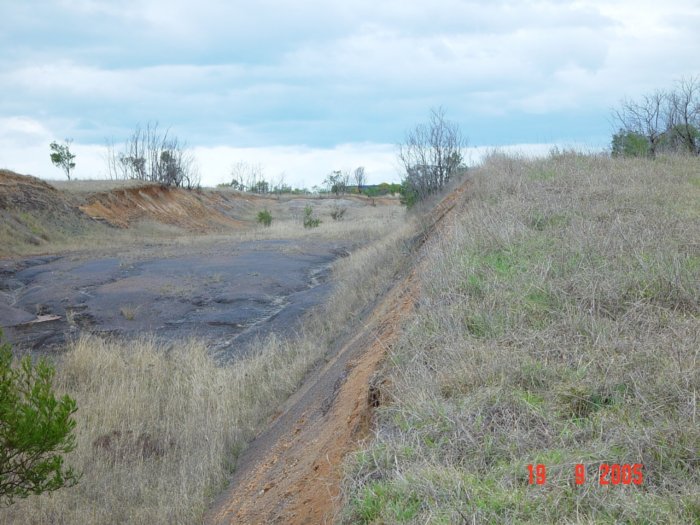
(318, 73)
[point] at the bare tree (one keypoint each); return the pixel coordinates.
(684, 123)
(431, 154)
(249, 177)
(359, 175)
(650, 117)
(278, 185)
(154, 156)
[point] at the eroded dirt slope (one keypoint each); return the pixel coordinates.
(192, 210)
(291, 473)
(32, 210)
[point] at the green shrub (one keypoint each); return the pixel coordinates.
(265, 217)
(309, 220)
(35, 429)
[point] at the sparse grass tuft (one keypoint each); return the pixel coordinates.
(129, 312)
(558, 324)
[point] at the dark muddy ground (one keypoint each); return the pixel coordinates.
(226, 293)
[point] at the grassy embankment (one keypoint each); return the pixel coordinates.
(159, 428)
(558, 325)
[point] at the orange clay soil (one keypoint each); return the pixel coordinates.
(291, 473)
(192, 210)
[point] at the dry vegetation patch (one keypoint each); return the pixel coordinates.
(160, 426)
(558, 324)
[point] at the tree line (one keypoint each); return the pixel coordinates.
(665, 121)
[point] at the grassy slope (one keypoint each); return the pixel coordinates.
(558, 325)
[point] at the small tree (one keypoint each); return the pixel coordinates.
(431, 154)
(337, 182)
(36, 429)
(265, 217)
(360, 178)
(309, 220)
(62, 157)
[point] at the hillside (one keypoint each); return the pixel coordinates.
(558, 325)
(35, 214)
(479, 364)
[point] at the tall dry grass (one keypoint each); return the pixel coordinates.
(558, 325)
(159, 427)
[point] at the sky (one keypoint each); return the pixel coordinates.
(307, 87)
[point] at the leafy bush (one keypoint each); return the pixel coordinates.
(265, 217)
(309, 220)
(35, 429)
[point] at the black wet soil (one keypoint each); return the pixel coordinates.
(227, 293)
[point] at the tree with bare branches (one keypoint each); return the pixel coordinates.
(685, 115)
(663, 122)
(648, 117)
(359, 176)
(431, 154)
(155, 156)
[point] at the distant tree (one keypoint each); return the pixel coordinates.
(668, 121)
(36, 429)
(431, 154)
(279, 187)
(62, 157)
(337, 182)
(360, 179)
(685, 116)
(683, 139)
(248, 176)
(648, 117)
(153, 155)
(629, 144)
(261, 186)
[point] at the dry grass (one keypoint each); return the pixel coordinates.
(159, 429)
(558, 324)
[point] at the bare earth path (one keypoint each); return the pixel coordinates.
(291, 473)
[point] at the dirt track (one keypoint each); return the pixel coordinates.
(291, 473)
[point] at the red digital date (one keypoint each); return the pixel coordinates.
(621, 474)
(614, 474)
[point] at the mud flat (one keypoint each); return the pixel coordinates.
(227, 293)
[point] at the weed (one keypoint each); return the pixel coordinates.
(129, 312)
(337, 213)
(265, 217)
(309, 220)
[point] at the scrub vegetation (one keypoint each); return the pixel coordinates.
(558, 324)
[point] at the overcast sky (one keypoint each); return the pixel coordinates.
(306, 87)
